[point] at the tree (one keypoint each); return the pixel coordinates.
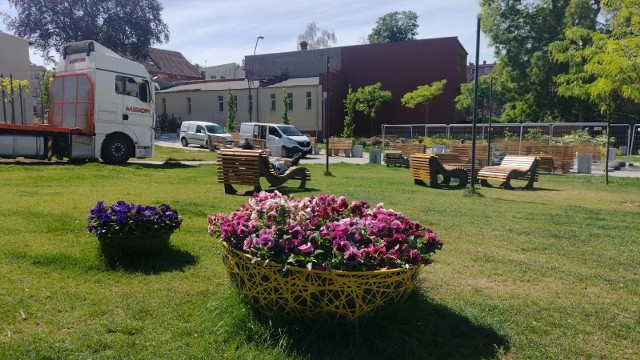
(603, 65)
(285, 107)
(317, 38)
(45, 85)
(521, 32)
(395, 26)
(491, 92)
(231, 116)
(423, 95)
(369, 100)
(8, 88)
(127, 27)
(350, 108)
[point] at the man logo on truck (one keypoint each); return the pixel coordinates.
(136, 109)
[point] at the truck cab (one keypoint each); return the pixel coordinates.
(103, 94)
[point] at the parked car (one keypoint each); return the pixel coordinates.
(282, 140)
(198, 132)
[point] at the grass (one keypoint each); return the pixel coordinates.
(550, 273)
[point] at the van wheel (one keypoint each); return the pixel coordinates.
(184, 142)
(116, 149)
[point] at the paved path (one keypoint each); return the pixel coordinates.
(597, 169)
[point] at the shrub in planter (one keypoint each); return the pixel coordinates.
(130, 227)
(321, 256)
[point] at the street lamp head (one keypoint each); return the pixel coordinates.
(260, 37)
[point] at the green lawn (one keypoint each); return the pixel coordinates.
(550, 273)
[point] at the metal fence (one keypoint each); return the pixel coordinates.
(625, 139)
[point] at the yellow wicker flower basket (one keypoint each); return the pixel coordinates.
(313, 294)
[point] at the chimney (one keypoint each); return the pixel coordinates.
(303, 45)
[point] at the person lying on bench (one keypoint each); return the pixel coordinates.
(280, 164)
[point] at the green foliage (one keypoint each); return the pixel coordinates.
(521, 32)
(128, 28)
(603, 64)
(166, 124)
(350, 109)
(509, 136)
(369, 100)
(534, 134)
(325, 38)
(285, 107)
(424, 95)
(45, 85)
(578, 136)
(395, 26)
(231, 115)
(8, 86)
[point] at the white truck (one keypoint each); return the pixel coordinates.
(101, 106)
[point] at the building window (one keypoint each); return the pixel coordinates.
(290, 101)
(487, 70)
(220, 103)
(308, 100)
(188, 105)
(273, 102)
(164, 105)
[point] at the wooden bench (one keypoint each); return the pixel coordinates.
(465, 151)
(236, 138)
(247, 167)
(393, 158)
(455, 160)
(315, 150)
(405, 150)
(217, 142)
(512, 167)
(427, 167)
(344, 145)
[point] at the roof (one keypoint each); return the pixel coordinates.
(212, 86)
(170, 62)
(306, 81)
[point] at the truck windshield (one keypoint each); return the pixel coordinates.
(289, 130)
(214, 129)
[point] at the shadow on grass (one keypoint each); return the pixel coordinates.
(415, 329)
(167, 165)
(165, 260)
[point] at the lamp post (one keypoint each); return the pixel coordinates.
(253, 62)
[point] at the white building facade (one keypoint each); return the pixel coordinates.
(208, 101)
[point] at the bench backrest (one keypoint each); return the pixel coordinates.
(519, 162)
(408, 149)
(449, 157)
(341, 143)
(237, 166)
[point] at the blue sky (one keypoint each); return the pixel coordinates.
(218, 32)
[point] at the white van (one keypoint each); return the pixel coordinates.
(197, 133)
(282, 140)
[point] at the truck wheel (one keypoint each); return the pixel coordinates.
(184, 142)
(286, 153)
(116, 150)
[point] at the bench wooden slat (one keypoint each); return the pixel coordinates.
(427, 167)
(247, 167)
(512, 167)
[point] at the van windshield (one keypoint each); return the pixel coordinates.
(289, 130)
(214, 129)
